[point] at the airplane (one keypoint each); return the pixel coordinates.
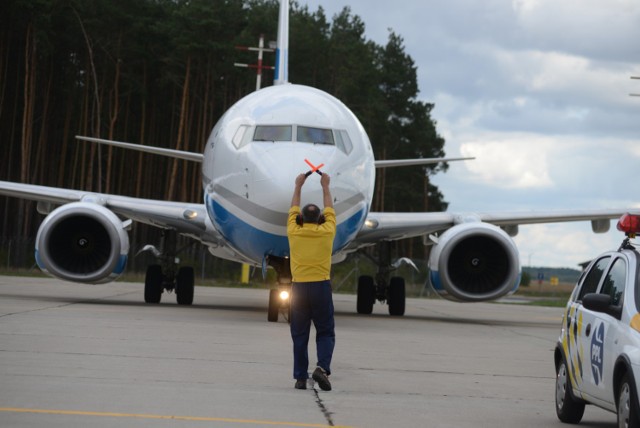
(249, 165)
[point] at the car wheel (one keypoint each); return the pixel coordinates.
(568, 409)
(627, 404)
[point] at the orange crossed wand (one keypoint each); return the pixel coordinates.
(313, 168)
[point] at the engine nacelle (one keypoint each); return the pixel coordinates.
(474, 262)
(82, 242)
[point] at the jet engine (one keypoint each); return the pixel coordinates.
(82, 242)
(474, 262)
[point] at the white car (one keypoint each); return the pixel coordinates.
(597, 357)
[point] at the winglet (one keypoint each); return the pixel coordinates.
(282, 48)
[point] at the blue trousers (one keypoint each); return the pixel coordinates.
(312, 301)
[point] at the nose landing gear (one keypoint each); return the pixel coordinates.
(280, 298)
(279, 303)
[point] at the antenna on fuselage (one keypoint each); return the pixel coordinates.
(282, 48)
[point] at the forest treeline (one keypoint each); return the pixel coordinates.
(161, 72)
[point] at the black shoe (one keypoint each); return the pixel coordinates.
(320, 376)
(301, 384)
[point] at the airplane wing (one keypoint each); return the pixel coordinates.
(185, 218)
(394, 226)
(178, 154)
(419, 161)
(473, 257)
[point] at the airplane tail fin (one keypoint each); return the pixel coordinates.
(282, 48)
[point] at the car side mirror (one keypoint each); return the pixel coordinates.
(601, 303)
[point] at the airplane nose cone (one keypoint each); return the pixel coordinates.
(277, 169)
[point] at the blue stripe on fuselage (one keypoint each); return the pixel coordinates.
(255, 243)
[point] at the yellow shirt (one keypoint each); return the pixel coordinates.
(310, 246)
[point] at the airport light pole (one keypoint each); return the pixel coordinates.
(259, 66)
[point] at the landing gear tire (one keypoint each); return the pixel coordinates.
(184, 285)
(366, 295)
(274, 306)
(396, 298)
(627, 403)
(567, 408)
(153, 284)
(286, 313)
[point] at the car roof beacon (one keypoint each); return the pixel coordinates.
(630, 225)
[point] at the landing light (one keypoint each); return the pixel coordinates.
(189, 214)
(284, 295)
(371, 224)
(629, 224)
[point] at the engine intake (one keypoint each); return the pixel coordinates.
(82, 242)
(474, 262)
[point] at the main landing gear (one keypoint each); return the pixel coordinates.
(166, 275)
(280, 298)
(385, 287)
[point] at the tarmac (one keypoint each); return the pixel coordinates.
(97, 355)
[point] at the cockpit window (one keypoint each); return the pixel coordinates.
(343, 141)
(306, 134)
(272, 133)
(238, 139)
(303, 134)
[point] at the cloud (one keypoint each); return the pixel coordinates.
(509, 161)
(597, 29)
(536, 90)
(564, 245)
(541, 172)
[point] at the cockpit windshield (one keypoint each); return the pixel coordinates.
(307, 134)
(272, 133)
(303, 134)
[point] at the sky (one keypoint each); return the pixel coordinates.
(538, 91)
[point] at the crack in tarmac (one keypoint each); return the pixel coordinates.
(325, 411)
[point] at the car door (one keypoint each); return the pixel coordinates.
(573, 340)
(601, 333)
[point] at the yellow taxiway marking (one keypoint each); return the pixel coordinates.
(145, 416)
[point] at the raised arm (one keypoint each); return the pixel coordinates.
(300, 179)
(325, 180)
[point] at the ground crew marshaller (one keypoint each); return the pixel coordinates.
(311, 233)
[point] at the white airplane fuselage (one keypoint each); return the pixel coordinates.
(257, 149)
